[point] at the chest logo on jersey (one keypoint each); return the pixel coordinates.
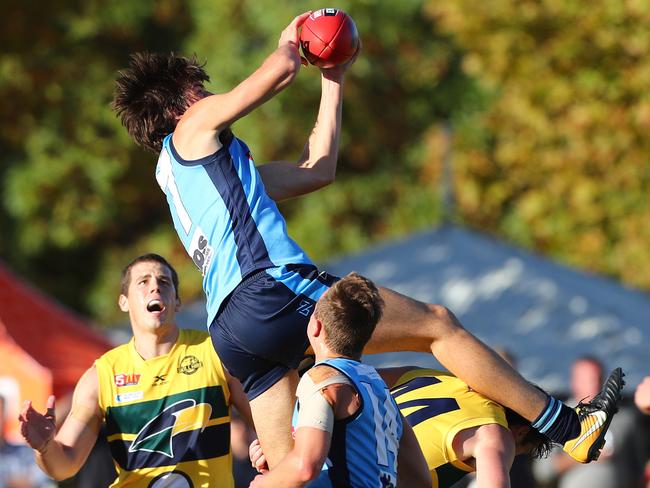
(189, 365)
(126, 379)
(183, 416)
(200, 251)
(129, 397)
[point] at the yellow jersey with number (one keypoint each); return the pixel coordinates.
(167, 418)
(438, 406)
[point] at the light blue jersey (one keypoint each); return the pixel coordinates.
(364, 447)
(228, 224)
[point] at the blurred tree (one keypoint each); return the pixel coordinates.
(559, 162)
(72, 182)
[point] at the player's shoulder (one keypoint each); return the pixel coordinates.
(407, 374)
(193, 337)
(322, 372)
(115, 353)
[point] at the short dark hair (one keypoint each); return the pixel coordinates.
(125, 280)
(153, 92)
(349, 312)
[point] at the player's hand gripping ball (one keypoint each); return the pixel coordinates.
(329, 37)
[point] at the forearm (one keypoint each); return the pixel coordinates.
(492, 470)
(277, 71)
(292, 472)
(321, 151)
(57, 461)
(316, 167)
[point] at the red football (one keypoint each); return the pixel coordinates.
(329, 37)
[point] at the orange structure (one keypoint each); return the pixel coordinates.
(44, 348)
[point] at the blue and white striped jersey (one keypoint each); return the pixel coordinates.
(363, 452)
(228, 224)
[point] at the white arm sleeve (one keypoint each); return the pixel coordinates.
(315, 411)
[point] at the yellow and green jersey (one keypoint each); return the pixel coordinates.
(438, 406)
(167, 418)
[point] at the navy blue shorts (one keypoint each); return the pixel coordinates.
(260, 332)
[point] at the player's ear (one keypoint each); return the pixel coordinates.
(315, 326)
(123, 302)
(178, 304)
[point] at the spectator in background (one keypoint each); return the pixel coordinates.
(642, 396)
(642, 401)
(621, 462)
(17, 466)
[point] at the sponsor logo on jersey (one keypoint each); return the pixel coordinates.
(305, 308)
(387, 480)
(189, 365)
(129, 397)
(159, 379)
(200, 252)
(183, 416)
(126, 379)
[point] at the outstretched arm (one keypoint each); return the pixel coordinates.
(642, 396)
(196, 134)
(316, 167)
(61, 456)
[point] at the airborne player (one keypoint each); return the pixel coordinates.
(260, 286)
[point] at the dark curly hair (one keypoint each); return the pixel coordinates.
(540, 445)
(153, 92)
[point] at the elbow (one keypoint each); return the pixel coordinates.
(61, 473)
(306, 475)
(61, 476)
(306, 472)
(323, 171)
(324, 179)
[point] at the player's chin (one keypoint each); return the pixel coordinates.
(156, 320)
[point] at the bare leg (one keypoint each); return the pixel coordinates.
(409, 325)
(272, 412)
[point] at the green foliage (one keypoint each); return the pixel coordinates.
(559, 161)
